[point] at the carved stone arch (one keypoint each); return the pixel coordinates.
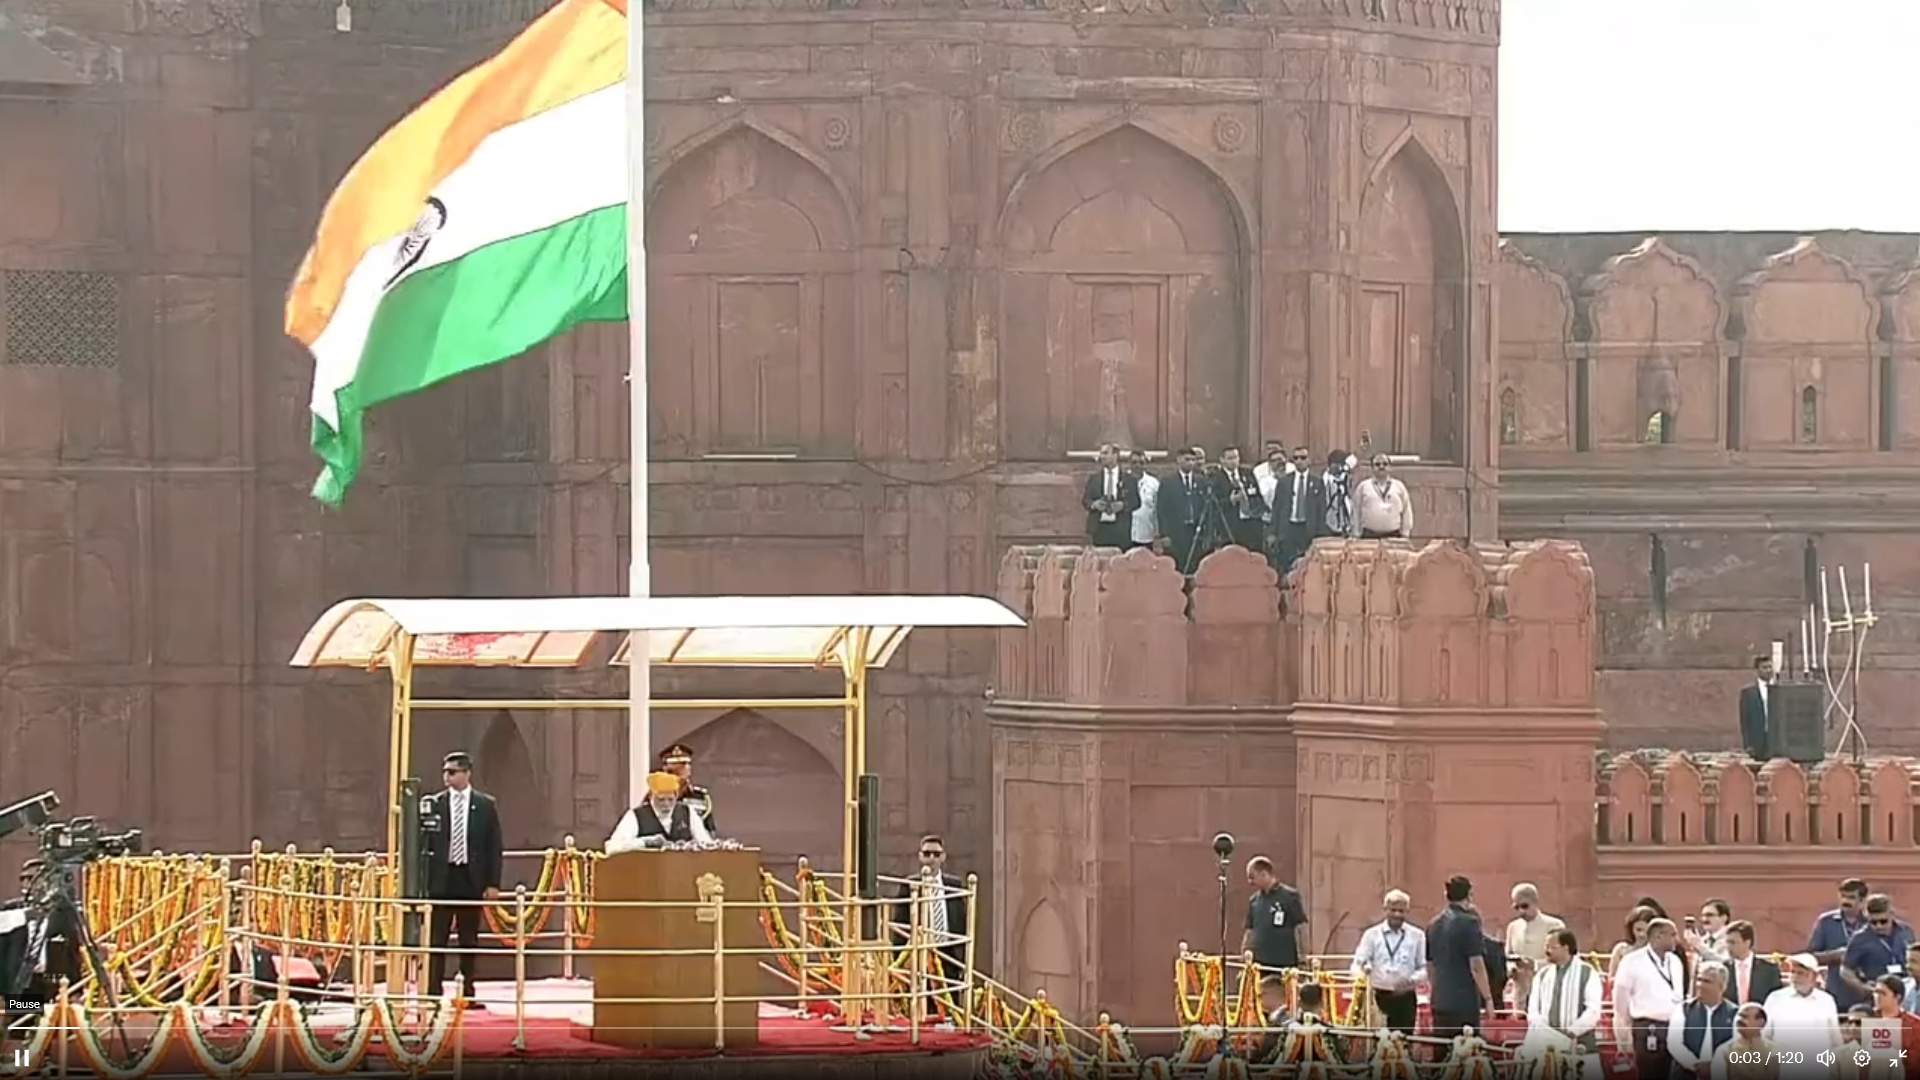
(1549, 601)
(1536, 328)
(1443, 634)
(504, 765)
(1657, 320)
(1238, 201)
(1545, 312)
(1736, 804)
(771, 789)
(1806, 263)
(1126, 264)
(753, 253)
(1410, 138)
(1838, 806)
(1810, 322)
(1409, 388)
(1630, 803)
(1890, 801)
(1048, 950)
(1787, 806)
(1652, 261)
(1444, 581)
(1550, 581)
(1683, 815)
(714, 134)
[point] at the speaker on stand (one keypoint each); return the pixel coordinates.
(1796, 722)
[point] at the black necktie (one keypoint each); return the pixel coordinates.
(1553, 1007)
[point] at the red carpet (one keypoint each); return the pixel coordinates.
(559, 1018)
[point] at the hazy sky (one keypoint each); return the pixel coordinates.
(1779, 115)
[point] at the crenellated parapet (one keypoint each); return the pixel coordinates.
(1655, 798)
(1445, 625)
(1107, 628)
(1772, 838)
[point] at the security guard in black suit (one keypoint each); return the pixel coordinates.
(678, 760)
(463, 864)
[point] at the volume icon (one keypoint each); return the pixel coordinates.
(1824, 1057)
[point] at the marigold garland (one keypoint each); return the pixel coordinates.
(347, 1056)
(170, 917)
(1470, 1060)
(95, 1055)
(417, 1054)
(40, 1040)
(223, 1063)
(1391, 1058)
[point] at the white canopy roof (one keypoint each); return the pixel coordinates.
(710, 631)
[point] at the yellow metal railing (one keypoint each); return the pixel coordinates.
(173, 929)
(169, 925)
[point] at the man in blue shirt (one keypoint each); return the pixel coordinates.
(1880, 949)
(1831, 933)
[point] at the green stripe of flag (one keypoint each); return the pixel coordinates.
(491, 304)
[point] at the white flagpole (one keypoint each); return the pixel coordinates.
(639, 673)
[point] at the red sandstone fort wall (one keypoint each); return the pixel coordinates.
(1773, 841)
(1411, 712)
(1777, 360)
(1417, 711)
(159, 555)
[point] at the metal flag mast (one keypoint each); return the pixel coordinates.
(640, 584)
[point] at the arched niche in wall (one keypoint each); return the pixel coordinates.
(1123, 299)
(1408, 380)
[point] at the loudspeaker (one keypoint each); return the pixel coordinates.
(1796, 722)
(866, 850)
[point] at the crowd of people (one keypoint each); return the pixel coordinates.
(1278, 507)
(1695, 997)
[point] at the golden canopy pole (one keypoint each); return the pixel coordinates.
(400, 730)
(853, 665)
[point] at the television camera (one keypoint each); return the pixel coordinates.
(80, 840)
(51, 902)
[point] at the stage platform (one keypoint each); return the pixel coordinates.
(559, 1019)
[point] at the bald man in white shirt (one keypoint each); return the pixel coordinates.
(1649, 984)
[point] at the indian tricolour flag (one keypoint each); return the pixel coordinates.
(487, 221)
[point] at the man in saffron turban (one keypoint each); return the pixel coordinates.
(663, 819)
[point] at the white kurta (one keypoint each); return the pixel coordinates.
(1807, 1022)
(626, 835)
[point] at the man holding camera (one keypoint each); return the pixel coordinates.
(1111, 496)
(464, 867)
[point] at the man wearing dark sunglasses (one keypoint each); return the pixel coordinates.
(1880, 949)
(463, 866)
(943, 907)
(1299, 509)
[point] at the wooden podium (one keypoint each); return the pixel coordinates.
(675, 876)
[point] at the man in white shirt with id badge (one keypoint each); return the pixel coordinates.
(1649, 984)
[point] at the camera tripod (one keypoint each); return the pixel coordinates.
(1211, 530)
(50, 900)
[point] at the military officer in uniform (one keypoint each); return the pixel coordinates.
(678, 760)
(664, 818)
